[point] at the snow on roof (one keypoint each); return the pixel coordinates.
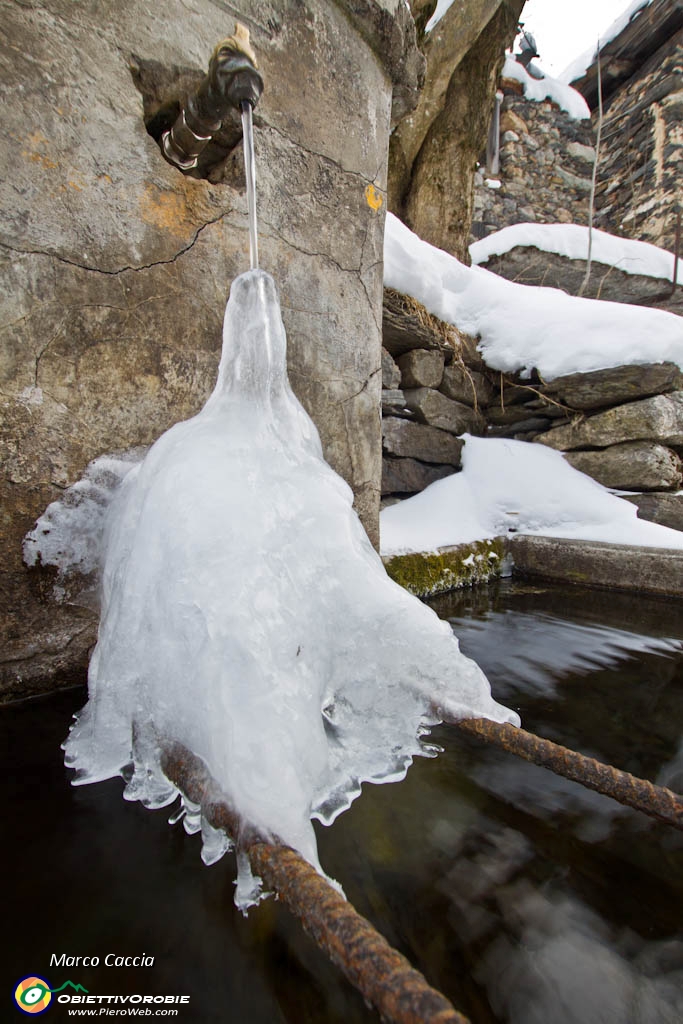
(515, 485)
(571, 240)
(580, 64)
(523, 327)
(548, 88)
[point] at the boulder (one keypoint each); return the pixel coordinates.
(391, 375)
(421, 369)
(408, 476)
(419, 441)
(526, 264)
(634, 465)
(436, 410)
(616, 385)
(464, 385)
(665, 509)
(654, 419)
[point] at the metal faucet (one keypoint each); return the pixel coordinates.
(232, 80)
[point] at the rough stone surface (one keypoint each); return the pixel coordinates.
(408, 476)
(468, 386)
(115, 267)
(528, 265)
(394, 403)
(420, 369)
(419, 441)
(615, 386)
(433, 190)
(656, 419)
(543, 171)
(639, 465)
(665, 509)
(639, 173)
(436, 410)
(391, 375)
(596, 563)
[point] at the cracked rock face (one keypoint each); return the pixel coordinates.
(115, 269)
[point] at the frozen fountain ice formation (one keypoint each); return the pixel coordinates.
(246, 615)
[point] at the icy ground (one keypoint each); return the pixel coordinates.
(246, 615)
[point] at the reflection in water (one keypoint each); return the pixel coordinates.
(545, 956)
(524, 897)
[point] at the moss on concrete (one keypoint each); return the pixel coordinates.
(427, 573)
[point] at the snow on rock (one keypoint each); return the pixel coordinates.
(523, 327)
(571, 240)
(580, 64)
(547, 88)
(441, 7)
(513, 485)
(246, 615)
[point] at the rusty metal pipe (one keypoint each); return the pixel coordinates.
(657, 801)
(383, 975)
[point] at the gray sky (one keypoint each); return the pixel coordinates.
(563, 29)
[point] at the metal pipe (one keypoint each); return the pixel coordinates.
(657, 801)
(232, 79)
(383, 975)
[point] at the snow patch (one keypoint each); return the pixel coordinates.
(523, 327)
(571, 240)
(547, 88)
(513, 486)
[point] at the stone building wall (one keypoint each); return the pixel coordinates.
(546, 163)
(115, 268)
(640, 173)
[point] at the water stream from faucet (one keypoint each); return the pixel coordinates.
(250, 168)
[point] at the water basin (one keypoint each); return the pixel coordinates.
(520, 895)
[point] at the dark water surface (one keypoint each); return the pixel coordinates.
(522, 896)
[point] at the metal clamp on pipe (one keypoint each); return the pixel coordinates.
(232, 79)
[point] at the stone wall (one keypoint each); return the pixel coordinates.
(622, 426)
(546, 163)
(115, 268)
(433, 388)
(639, 173)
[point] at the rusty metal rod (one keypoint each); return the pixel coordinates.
(383, 975)
(657, 801)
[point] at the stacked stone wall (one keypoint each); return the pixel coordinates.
(546, 163)
(622, 426)
(639, 172)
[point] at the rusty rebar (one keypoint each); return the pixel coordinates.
(657, 801)
(383, 975)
